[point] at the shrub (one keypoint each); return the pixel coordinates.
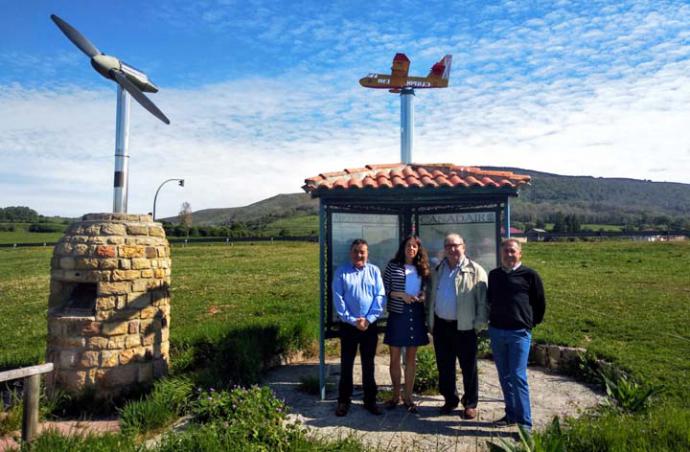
(168, 400)
(252, 415)
(46, 227)
(53, 441)
(627, 394)
(426, 381)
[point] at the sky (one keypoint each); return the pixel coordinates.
(263, 94)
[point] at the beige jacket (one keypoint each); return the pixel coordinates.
(470, 289)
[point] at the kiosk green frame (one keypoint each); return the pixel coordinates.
(384, 203)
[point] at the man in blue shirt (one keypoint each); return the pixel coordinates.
(358, 298)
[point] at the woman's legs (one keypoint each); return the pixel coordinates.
(395, 371)
(410, 372)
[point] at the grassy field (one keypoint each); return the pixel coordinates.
(628, 302)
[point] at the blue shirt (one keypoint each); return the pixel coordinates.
(358, 292)
(446, 292)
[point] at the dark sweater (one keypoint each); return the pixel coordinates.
(516, 299)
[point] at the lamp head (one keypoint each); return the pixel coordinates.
(181, 183)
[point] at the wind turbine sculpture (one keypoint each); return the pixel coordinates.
(129, 80)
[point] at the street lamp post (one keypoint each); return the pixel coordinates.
(180, 182)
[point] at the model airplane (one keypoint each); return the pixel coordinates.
(398, 78)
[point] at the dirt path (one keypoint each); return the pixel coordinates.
(552, 395)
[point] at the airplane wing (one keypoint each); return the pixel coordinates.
(401, 65)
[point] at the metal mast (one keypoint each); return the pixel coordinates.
(406, 125)
(121, 183)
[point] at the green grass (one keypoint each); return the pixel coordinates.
(625, 301)
(295, 226)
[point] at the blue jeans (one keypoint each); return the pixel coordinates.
(511, 350)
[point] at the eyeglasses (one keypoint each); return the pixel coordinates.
(453, 245)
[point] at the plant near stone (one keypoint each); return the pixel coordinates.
(310, 384)
(168, 400)
(426, 381)
(628, 395)
(253, 414)
(11, 415)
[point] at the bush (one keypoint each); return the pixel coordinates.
(46, 227)
(168, 400)
(53, 441)
(426, 381)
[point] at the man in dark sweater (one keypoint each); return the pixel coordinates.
(516, 305)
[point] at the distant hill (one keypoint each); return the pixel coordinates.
(265, 211)
(596, 200)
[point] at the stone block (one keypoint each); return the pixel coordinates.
(162, 350)
(80, 249)
(121, 376)
(538, 355)
(71, 381)
(113, 229)
(137, 229)
(156, 231)
(147, 273)
(67, 263)
(139, 299)
(151, 252)
(63, 249)
(570, 356)
(116, 343)
(91, 328)
(97, 343)
(164, 263)
(125, 275)
(125, 264)
(115, 328)
(106, 303)
(115, 240)
(553, 356)
(92, 230)
(148, 339)
(140, 263)
(86, 263)
(133, 340)
(140, 285)
(68, 342)
(106, 251)
(89, 359)
(68, 359)
(133, 327)
(114, 288)
(104, 315)
(55, 327)
(131, 251)
(108, 264)
(163, 251)
(110, 358)
(149, 312)
(159, 273)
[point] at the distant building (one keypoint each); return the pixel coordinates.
(535, 235)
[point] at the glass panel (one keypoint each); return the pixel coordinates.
(477, 228)
(381, 231)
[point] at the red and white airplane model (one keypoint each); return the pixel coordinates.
(398, 78)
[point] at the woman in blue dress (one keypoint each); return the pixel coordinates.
(406, 278)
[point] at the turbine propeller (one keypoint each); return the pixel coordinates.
(130, 79)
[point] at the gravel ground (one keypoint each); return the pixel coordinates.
(397, 430)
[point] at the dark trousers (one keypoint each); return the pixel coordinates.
(449, 345)
(350, 339)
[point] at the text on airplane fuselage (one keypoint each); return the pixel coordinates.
(411, 83)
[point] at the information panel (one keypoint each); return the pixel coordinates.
(479, 229)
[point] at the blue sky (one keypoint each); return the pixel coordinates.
(264, 94)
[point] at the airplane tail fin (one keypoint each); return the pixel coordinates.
(441, 70)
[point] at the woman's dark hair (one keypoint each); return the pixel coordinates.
(421, 260)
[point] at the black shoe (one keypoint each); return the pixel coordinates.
(503, 422)
(341, 409)
(448, 407)
(373, 409)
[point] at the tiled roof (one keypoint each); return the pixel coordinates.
(433, 175)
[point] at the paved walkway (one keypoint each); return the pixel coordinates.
(552, 395)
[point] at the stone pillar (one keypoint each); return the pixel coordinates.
(109, 305)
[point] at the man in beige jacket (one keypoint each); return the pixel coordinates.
(457, 311)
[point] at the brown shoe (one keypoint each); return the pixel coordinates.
(470, 413)
(341, 409)
(373, 408)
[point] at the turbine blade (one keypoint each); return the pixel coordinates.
(140, 97)
(77, 38)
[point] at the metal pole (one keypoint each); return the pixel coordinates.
(322, 303)
(32, 387)
(406, 125)
(507, 218)
(121, 157)
(155, 198)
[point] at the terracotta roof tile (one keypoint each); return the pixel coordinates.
(399, 175)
